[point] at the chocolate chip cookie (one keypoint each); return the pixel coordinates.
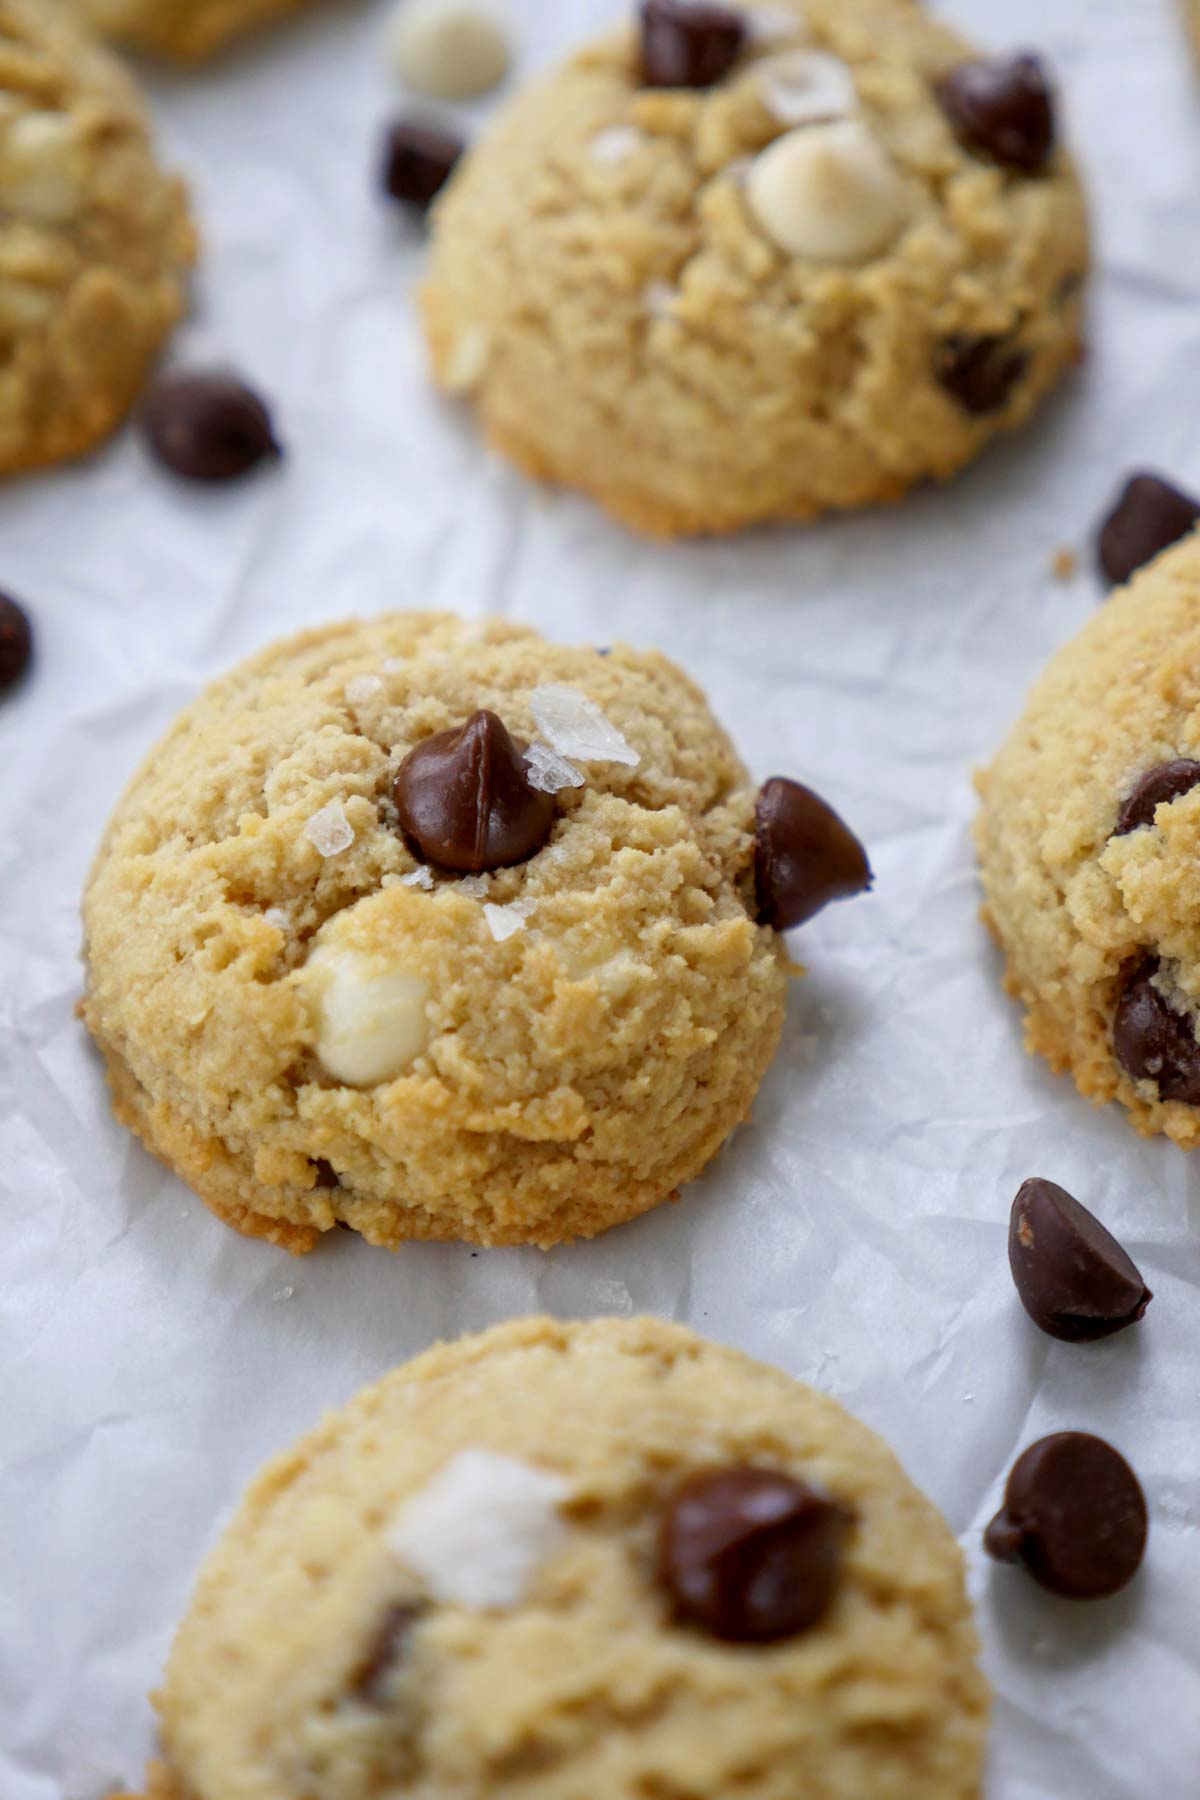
(1089, 842)
(604, 1559)
(95, 240)
(739, 264)
(439, 931)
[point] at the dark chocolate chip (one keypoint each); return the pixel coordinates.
(1158, 787)
(208, 427)
(1074, 1514)
(418, 161)
(16, 643)
(327, 1176)
(752, 1556)
(1152, 1041)
(1074, 1279)
(1002, 109)
(464, 799)
(1149, 516)
(804, 855)
(688, 43)
(979, 372)
(385, 1653)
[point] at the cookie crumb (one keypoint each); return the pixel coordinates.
(1064, 563)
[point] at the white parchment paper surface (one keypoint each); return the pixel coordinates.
(855, 1233)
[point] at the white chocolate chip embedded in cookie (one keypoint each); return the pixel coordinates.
(371, 1021)
(448, 49)
(828, 193)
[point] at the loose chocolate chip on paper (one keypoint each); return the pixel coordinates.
(688, 43)
(1002, 109)
(1158, 787)
(1154, 1042)
(751, 1555)
(16, 642)
(804, 855)
(1075, 1515)
(464, 798)
(208, 427)
(979, 372)
(1149, 516)
(418, 160)
(1074, 1279)
(386, 1652)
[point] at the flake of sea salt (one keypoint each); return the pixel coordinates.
(361, 688)
(658, 298)
(575, 727)
(504, 921)
(276, 916)
(420, 878)
(473, 887)
(807, 87)
(616, 143)
(549, 772)
(330, 830)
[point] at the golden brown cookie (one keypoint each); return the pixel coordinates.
(185, 31)
(840, 267)
(477, 1579)
(1089, 844)
(95, 240)
(320, 1005)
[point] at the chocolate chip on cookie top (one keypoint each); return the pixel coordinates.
(418, 161)
(689, 43)
(465, 799)
(1157, 787)
(979, 372)
(208, 427)
(386, 1652)
(1002, 109)
(1075, 1515)
(1153, 1041)
(1074, 1279)
(804, 855)
(1149, 515)
(752, 1555)
(16, 642)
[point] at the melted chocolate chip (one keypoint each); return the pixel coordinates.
(418, 160)
(208, 427)
(1158, 787)
(979, 372)
(688, 43)
(1149, 516)
(804, 855)
(1001, 109)
(16, 643)
(1074, 1279)
(1074, 1514)
(1152, 1041)
(752, 1556)
(386, 1651)
(464, 799)
(326, 1175)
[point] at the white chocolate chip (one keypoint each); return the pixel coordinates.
(775, 24)
(468, 360)
(829, 193)
(805, 87)
(39, 166)
(449, 49)
(370, 1014)
(616, 143)
(480, 1530)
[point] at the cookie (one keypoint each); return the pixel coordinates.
(185, 31)
(837, 263)
(95, 240)
(440, 931)
(526, 1564)
(1089, 843)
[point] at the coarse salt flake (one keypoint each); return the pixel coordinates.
(419, 878)
(575, 727)
(361, 688)
(330, 830)
(616, 143)
(276, 916)
(474, 887)
(480, 1530)
(504, 921)
(658, 298)
(549, 772)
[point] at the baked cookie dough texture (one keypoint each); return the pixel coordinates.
(1091, 871)
(95, 240)
(184, 30)
(604, 289)
(388, 1615)
(313, 1028)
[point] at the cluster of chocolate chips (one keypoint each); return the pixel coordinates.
(208, 427)
(16, 643)
(1074, 1513)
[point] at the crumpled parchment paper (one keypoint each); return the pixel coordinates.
(855, 1233)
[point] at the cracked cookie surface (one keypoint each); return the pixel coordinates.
(95, 240)
(1091, 869)
(314, 1661)
(314, 1028)
(607, 296)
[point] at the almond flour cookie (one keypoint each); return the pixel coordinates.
(1089, 842)
(733, 265)
(440, 931)
(184, 30)
(95, 240)
(565, 1562)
